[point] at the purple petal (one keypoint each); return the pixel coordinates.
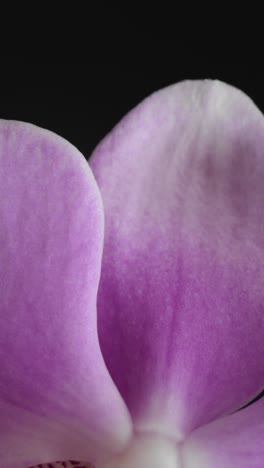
(181, 320)
(235, 441)
(57, 400)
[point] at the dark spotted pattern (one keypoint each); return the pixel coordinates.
(65, 464)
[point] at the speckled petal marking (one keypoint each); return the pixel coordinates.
(65, 464)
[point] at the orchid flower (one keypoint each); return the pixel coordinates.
(132, 298)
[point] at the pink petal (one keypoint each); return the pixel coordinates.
(235, 441)
(57, 400)
(181, 320)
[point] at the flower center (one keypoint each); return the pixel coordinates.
(144, 451)
(147, 451)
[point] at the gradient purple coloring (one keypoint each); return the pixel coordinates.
(180, 306)
(57, 400)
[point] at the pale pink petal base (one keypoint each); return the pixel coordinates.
(236, 441)
(57, 400)
(181, 313)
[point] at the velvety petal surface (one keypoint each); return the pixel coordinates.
(181, 298)
(57, 400)
(234, 441)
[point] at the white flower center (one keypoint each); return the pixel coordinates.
(147, 451)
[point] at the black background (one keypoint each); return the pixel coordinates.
(77, 72)
(82, 84)
(82, 101)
